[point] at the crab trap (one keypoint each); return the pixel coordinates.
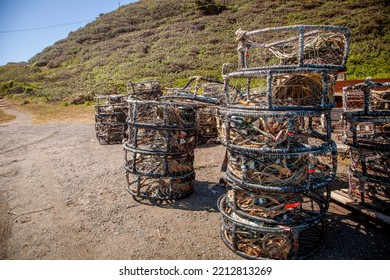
(159, 149)
(300, 46)
(282, 173)
(149, 90)
(367, 96)
(277, 132)
(206, 93)
(369, 181)
(110, 118)
(279, 208)
(292, 89)
(369, 130)
(254, 239)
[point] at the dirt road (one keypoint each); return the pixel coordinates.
(62, 196)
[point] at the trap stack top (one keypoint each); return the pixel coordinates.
(277, 131)
(366, 124)
(159, 150)
(110, 118)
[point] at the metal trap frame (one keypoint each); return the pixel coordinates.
(147, 90)
(206, 93)
(253, 239)
(367, 133)
(276, 132)
(110, 118)
(280, 89)
(298, 46)
(159, 149)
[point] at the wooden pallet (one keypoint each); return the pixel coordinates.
(342, 197)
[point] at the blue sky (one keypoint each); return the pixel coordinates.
(29, 26)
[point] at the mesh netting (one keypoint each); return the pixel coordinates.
(294, 46)
(258, 240)
(369, 130)
(370, 163)
(279, 208)
(279, 90)
(369, 178)
(159, 149)
(370, 191)
(110, 118)
(156, 165)
(204, 92)
(281, 173)
(275, 132)
(367, 96)
(149, 90)
(162, 188)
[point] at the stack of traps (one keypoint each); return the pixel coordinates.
(110, 118)
(277, 130)
(111, 110)
(159, 150)
(367, 132)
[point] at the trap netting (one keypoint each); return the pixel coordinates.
(275, 131)
(370, 130)
(369, 181)
(294, 89)
(110, 118)
(159, 149)
(258, 240)
(282, 173)
(148, 90)
(207, 93)
(279, 208)
(367, 96)
(293, 46)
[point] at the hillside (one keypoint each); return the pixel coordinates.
(170, 40)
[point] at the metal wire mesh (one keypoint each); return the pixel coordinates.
(159, 149)
(110, 118)
(258, 240)
(369, 191)
(205, 92)
(369, 181)
(162, 188)
(279, 208)
(275, 131)
(294, 46)
(280, 89)
(367, 96)
(281, 173)
(369, 130)
(148, 90)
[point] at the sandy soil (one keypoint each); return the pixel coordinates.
(62, 196)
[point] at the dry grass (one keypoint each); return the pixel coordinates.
(4, 117)
(48, 113)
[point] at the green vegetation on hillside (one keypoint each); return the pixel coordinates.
(171, 40)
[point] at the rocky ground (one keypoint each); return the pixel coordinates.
(62, 196)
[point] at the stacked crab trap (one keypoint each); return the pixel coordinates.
(366, 125)
(277, 131)
(206, 93)
(159, 151)
(110, 118)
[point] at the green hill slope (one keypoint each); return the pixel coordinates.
(170, 40)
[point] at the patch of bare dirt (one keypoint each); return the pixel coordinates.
(62, 196)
